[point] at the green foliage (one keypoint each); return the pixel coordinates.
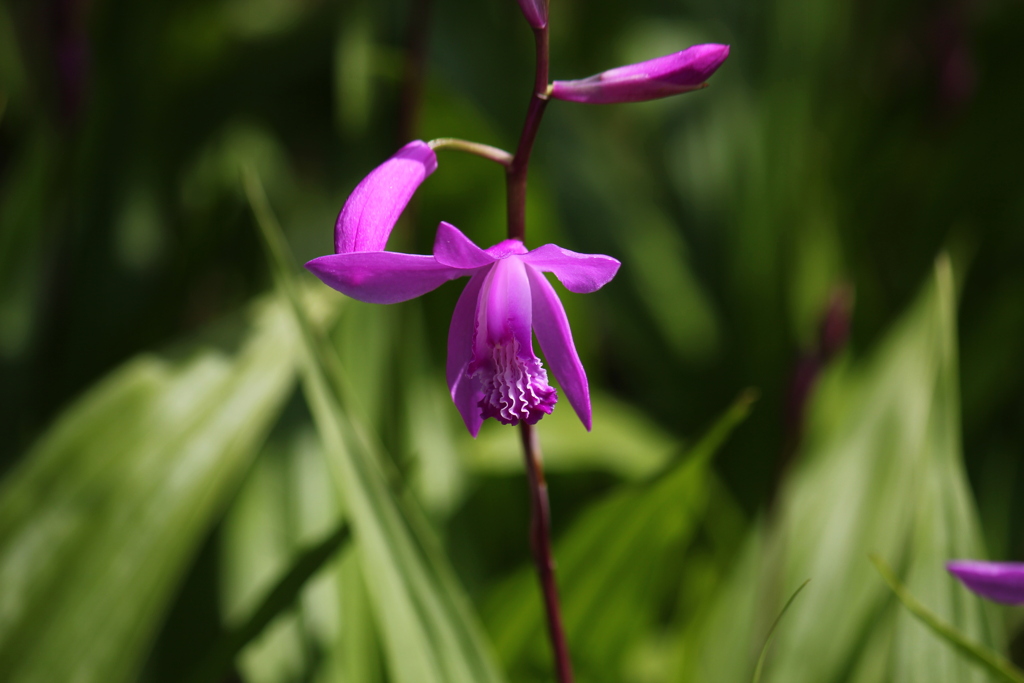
(990, 660)
(162, 469)
(99, 522)
(428, 629)
(882, 473)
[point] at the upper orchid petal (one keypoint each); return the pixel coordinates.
(668, 75)
(505, 308)
(452, 248)
(580, 273)
(514, 384)
(382, 277)
(373, 208)
(999, 581)
(465, 389)
(536, 12)
(552, 328)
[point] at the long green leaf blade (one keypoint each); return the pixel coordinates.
(993, 661)
(99, 523)
(429, 630)
(771, 633)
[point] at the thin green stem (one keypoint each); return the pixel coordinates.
(771, 633)
(494, 154)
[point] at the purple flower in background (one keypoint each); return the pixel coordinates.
(669, 75)
(373, 208)
(999, 581)
(492, 369)
(536, 12)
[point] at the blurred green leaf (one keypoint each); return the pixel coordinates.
(281, 597)
(881, 472)
(992, 661)
(288, 504)
(624, 441)
(429, 631)
(611, 560)
(99, 522)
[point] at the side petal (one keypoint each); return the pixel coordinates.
(552, 329)
(999, 581)
(452, 248)
(382, 277)
(373, 208)
(580, 273)
(466, 392)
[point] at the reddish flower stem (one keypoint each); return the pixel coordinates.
(540, 542)
(540, 513)
(516, 174)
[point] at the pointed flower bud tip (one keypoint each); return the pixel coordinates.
(373, 208)
(998, 581)
(656, 78)
(536, 12)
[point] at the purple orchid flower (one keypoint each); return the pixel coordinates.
(373, 208)
(656, 78)
(492, 369)
(536, 12)
(999, 581)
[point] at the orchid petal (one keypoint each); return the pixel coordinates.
(373, 208)
(382, 277)
(580, 273)
(552, 329)
(505, 309)
(656, 78)
(999, 581)
(465, 390)
(453, 248)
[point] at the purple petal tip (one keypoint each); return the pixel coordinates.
(998, 581)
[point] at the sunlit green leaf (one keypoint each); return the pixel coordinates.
(995, 663)
(101, 519)
(880, 472)
(429, 631)
(611, 559)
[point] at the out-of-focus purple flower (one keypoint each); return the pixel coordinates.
(373, 208)
(669, 75)
(999, 581)
(536, 12)
(492, 369)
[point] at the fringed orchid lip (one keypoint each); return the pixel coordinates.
(373, 208)
(656, 78)
(999, 581)
(492, 370)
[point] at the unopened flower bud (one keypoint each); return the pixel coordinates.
(656, 78)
